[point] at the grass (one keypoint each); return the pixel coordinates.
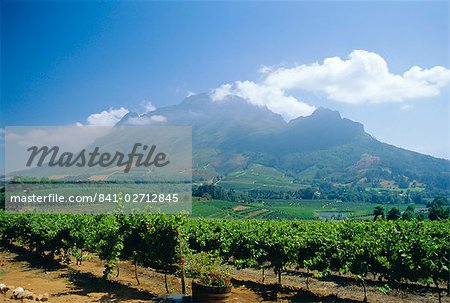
(399, 190)
(212, 208)
(259, 177)
(287, 209)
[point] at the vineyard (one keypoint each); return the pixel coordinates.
(393, 252)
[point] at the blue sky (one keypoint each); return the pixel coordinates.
(64, 61)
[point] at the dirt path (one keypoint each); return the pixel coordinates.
(83, 283)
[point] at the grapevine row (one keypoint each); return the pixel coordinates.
(394, 251)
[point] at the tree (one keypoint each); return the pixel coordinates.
(438, 209)
(207, 196)
(307, 193)
(378, 211)
(421, 216)
(408, 214)
(2, 198)
(416, 198)
(393, 214)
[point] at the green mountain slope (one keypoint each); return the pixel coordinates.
(233, 136)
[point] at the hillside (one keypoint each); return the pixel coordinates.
(232, 136)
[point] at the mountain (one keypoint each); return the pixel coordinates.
(233, 135)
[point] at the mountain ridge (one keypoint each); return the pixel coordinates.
(232, 135)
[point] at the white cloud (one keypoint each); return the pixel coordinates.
(148, 107)
(146, 120)
(218, 94)
(264, 69)
(190, 93)
(107, 117)
(158, 118)
(363, 78)
(262, 95)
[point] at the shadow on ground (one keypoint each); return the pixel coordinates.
(271, 292)
(82, 283)
(86, 283)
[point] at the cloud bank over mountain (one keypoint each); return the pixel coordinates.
(148, 107)
(363, 77)
(107, 117)
(272, 97)
(112, 116)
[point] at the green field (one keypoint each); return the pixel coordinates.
(399, 190)
(286, 209)
(259, 177)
